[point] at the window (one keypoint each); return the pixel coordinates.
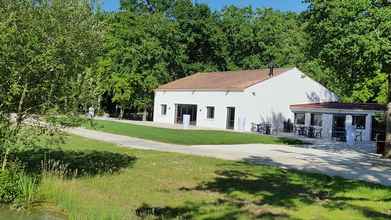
(316, 119)
(210, 112)
(299, 118)
(359, 121)
(164, 109)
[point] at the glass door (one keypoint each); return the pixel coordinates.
(339, 131)
(231, 118)
(184, 109)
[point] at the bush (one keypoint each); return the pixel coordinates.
(9, 189)
(16, 187)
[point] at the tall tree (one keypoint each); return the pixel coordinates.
(256, 37)
(350, 38)
(45, 49)
(203, 39)
(147, 6)
(138, 57)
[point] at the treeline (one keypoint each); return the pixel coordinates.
(114, 60)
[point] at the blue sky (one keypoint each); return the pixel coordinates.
(284, 5)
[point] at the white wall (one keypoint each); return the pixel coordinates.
(265, 101)
(220, 100)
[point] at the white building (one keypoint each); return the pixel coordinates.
(238, 99)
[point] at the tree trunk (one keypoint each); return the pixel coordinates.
(98, 109)
(121, 112)
(5, 159)
(19, 114)
(65, 104)
(145, 114)
(387, 151)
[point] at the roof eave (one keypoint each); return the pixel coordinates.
(334, 110)
(199, 90)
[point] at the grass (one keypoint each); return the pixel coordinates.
(174, 186)
(186, 137)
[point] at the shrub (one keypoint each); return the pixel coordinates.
(16, 187)
(9, 189)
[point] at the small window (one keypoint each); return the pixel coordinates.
(210, 112)
(299, 118)
(164, 109)
(316, 119)
(359, 121)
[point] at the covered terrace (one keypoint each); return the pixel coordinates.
(355, 123)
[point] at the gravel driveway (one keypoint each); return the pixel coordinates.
(346, 163)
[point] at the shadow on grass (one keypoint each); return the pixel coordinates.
(145, 211)
(218, 210)
(288, 188)
(73, 163)
(265, 192)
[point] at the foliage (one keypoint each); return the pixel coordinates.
(136, 60)
(47, 49)
(16, 187)
(9, 190)
(152, 42)
(352, 40)
(344, 44)
(254, 38)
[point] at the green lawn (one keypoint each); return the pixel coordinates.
(186, 137)
(169, 185)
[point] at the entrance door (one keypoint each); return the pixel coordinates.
(182, 109)
(339, 130)
(231, 118)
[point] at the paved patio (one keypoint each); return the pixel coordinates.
(347, 163)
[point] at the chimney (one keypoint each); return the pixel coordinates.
(271, 68)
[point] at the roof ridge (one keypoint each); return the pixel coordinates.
(246, 70)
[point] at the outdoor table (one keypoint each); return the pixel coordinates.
(264, 128)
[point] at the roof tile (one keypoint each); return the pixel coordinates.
(231, 80)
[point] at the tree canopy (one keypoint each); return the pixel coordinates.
(46, 47)
(351, 39)
(153, 42)
(69, 54)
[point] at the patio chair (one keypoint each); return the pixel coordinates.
(310, 131)
(302, 131)
(358, 136)
(268, 128)
(318, 132)
(259, 128)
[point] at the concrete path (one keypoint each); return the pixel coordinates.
(346, 163)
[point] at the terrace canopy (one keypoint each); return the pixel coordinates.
(338, 121)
